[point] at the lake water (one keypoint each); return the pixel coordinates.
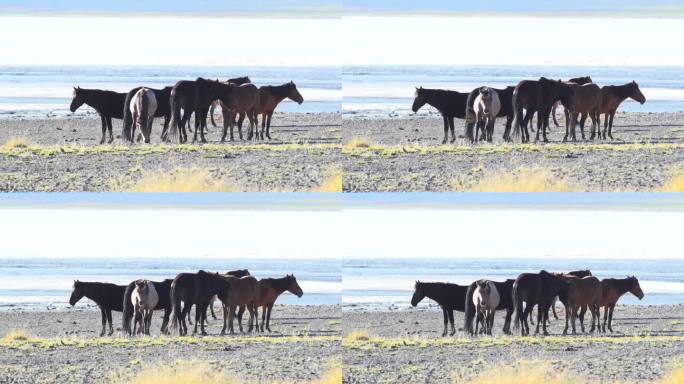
(379, 91)
(38, 91)
(381, 283)
(39, 283)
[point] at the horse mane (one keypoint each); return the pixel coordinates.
(281, 283)
(280, 91)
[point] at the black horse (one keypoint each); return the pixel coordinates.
(163, 110)
(163, 289)
(108, 104)
(536, 289)
(194, 289)
(449, 103)
(505, 290)
(195, 96)
(451, 297)
(109, 297)
(538, 96)
(505, 97)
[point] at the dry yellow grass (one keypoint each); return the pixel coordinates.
(16, 143)
(178, 180)
(356, 143)
(520, 180)
(333, 183)
(357, 335)
(16, 335)
(676, 181)
(522, 372)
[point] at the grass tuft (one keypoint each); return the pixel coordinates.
(521, 180)
(16, 143)
(356, 143)
(16, 335)
(178, 180)
(357, 335)
(333, 183)
(676, 181)
(521, 372)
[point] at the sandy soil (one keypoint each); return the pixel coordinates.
(406, 346)
(64, 347)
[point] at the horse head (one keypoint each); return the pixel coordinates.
(293, 287)
(293, 94)
(76, 293)
(419, 100)
(418, 293)
(635, 93)
(77, 100)
(635, 288)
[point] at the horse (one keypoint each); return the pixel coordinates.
(578, 273)
(245, 100)
(243, 291)
(269, 98)
(163, 289)
(538, 96)
(143, 107)
(216, 103)
(235, 273)
(582, 292)
(163, 110)
(450, 104)
(505, 96)
(450, 297)
(485, 299)
(269, 290)
(612, 96)
(505, 289)
(577, 80)
(611, 291)
(487, 106)
(536, 289)
(194, 289)
(108, 297)
(108, 104)
(587, 101)
(144, 298)
(194, 96)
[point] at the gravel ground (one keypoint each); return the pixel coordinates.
(304, 342)
(646, 149)
(67, 157)
(410, 349)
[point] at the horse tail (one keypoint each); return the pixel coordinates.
(469, 309)
(128, 116)
(211, 113)
(144, 111)
(175, 116)
(175, 306)
(470, 116)
(517, 112)
(128, 308)
(517, 306)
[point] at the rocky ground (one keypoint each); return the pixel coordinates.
(405, 346)
(405, 154)
(63, 346)
(63, 154)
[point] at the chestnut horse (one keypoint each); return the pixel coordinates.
(108, 105)
(612, 96)
(245, 101)
(577, 80)
(243, 291)
(582, 292)
(587, 100)
(269, 98)
(269, 290)
(611, 291)
(216, 103)
(538, 96)
(450, 104)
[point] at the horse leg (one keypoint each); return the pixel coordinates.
(231, 318)
(109, 319)
(165, 322)
(507, 322)
(507, 130)
(109, 126)
(263, 317)
(451, 320)
(610, 318)
(256, 318)
(477, 320)
(250, 309)
(241, 311)
(268, 317)
(446, 128)
(104, 321)
(610, 126)
(268, 125)
(225, 317)
(451, 127)
(446, 320)
(202, 308)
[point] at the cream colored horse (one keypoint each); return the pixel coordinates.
(487, 105)
(143, 107)
(486, 299)
(144, 298)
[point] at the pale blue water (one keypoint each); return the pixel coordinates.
(380, 283)
(42, 90)
(38, 283)
(379, 91)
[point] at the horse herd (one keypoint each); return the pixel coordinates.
(235, 289)
(580, 97)
(237, 97)
(577, 290)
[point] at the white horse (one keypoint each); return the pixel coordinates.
(486, 299)
(487, 105)
(143, 107)
(144, 298)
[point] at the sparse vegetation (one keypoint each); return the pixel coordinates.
(15, 143)
(333, 183)
(357, 335)
(676, 181)
(16, 335)
(521, 180)
(177, 180)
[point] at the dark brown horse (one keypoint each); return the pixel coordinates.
(505, 290)
(450, 297)
(216, 103)
(163, 290)
(194, 289)
(269, 290)
(536, 289)
(582, 293)
(235, 273)
(245, 101)
(163, 110)
(579, 273)
(538, 96)
(450, 104)
(244, 291)
(505, 97)
(108, 104)
(611, 291)
(109, 297)
(587, 102)
(195, 96)
(577, 80)
(269, 98)
(611, 98)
